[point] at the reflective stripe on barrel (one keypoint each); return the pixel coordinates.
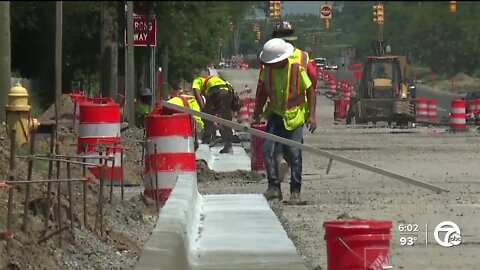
(99, 132)
(169, 152)
(458, 117)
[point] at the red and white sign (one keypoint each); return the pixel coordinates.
(325, 12)
(145, 32)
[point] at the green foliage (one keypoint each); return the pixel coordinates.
(427, 31)
(190, 30)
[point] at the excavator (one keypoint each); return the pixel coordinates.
(383, 93)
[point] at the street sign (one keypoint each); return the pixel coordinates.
(145, 32)
(325, 12)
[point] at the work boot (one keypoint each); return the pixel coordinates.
(282, 169)
(295, 199)
(273, 192)
(227, 149)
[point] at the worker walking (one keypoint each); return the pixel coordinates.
(285, 83)
(219, 95)
(143, 107)
(285, 31)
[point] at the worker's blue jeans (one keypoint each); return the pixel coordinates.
(293, 155)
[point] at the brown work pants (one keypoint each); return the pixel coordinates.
(218, 103)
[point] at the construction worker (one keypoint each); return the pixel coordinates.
(218, 95)
(143, 107)
(285, 31)
(292, 101)
(188, 101)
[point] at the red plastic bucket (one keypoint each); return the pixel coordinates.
(340, 108)
(358, 244)
(256, 146)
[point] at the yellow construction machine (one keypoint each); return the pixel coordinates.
(382, 93)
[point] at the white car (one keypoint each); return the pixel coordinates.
(332, 67)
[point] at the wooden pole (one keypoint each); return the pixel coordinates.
(5, 56)
(130, 91)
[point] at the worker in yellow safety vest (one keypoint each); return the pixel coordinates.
(143, 107)
(219, 96)
(188, 101)
(185, 100)
(292, 103)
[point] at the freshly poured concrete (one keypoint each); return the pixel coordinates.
(217, 162)
(217, 232)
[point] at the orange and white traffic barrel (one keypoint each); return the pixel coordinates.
(169, 152)
(243, 114)
(422, 109)
(432, 109)
(458, 121)
(346, 94)
(99, 133)
(476, 108)
(340, 109)
(251, 109)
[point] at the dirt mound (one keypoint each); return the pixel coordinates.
(463, 78)
(65, 109)
(204, 174)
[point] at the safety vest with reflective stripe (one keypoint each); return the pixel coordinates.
(205, 83)
(294, 104)
(189, 102)
(300, 57)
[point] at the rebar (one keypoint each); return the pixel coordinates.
(11, 176)
(29, 177)
(70, 196)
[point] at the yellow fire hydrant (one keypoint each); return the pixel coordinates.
(19, 114)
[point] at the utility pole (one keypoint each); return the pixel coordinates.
(109, 49)
(130, 87)
(165, 72)
(5, 56)
(58, 60)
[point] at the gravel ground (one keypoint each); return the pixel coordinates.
(429, 154)
(127, 224)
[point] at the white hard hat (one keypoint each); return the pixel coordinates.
(276, 50)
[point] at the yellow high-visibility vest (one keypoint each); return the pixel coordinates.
(190, 102)
(292, 106)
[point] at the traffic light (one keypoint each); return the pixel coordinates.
(257, 36)
(231, 26)
(327, 24)
(380, 14)
(453, 6)
(275, 9)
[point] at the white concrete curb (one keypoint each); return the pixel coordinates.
(217, 232)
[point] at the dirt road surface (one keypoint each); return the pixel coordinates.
(428, 154)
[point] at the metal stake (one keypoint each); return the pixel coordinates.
(11, 176)
(70, 196)
(329, 165)
(29, 177)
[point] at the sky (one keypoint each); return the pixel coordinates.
(302, 7)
